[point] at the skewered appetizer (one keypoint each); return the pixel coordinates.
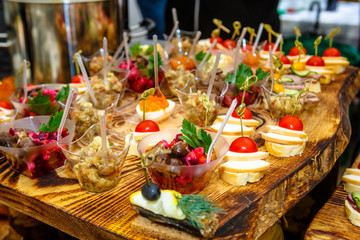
(287, 139)
(7, 112)
(244, 163)
(352, 208)
(298, 52)
(351, 179)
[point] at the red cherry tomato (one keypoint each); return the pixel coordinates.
(147, 126)
(243, 145)
(247, 114)
(5, 105)
(229, 44)
(77, 79)
(294, 51)
(218, 40)
(285, 60)
(315, 61)
(331, 52)
(292, 123)
(247, 48)
(267, 47)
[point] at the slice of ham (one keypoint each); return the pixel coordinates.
(352, 202)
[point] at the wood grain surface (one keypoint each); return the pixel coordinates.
(58, 200)
(331, 222)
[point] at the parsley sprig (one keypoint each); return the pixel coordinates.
(200, 56)
(53, 123)
(63, 93)
(245, 72)
(195, 138)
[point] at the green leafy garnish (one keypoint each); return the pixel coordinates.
(196, 208)
(200, 56)
(63, 93)
(195, 138)
(149, 50)
(53, 123)
(245, 72)
(151, 62)
(40, 99)
(135, 50)
(149, 70)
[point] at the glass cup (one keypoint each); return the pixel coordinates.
(180, 44)
(84, 114)
(184, 179)
(197, 108)
(24, 109)
(34, 161)
(95, 171)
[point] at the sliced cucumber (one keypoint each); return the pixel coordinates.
(303, 73)
(291, 92)
(356, 198)
(286, 79)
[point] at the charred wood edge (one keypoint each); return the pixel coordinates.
(318, 234)
(184, 225)
(55, 217)
(332, 151)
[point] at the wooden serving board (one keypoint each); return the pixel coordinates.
(58, 200)
(331, 222)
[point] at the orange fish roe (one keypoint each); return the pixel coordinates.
(154, 103)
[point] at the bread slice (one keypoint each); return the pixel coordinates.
(282, 139)
(352, 214)
(349, 187)
(245, 166)
(234, 156)
(159, 231)
(315, 87)
(352, 171)
(353, 179)
(246, 122)
(282, 150)
(240, 179)
(231, 129)
(286, 132)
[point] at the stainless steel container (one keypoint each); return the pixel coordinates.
(49, 32)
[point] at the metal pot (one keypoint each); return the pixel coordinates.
(49, 32)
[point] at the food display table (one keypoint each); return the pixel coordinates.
(58, 200)
(331, 222)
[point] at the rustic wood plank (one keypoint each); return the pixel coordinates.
(58, 200)
(331, 222)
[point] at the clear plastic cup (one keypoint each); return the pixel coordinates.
(97, 172)
(24, 109)
(39, 160)
(184, 179)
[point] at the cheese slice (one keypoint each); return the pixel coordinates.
(240, 179)
(245, 166)
(246, 122)
(231, 129)
(349, 187)
(352, 171)
(353, 179)
(235, 156)
(278, 138)
(286, 132)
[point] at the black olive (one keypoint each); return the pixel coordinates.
(180, 149)
(163, 158)
(151, 192)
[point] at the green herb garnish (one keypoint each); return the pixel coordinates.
(149, 50)
(195, 138)
(149, 70)
(53, 123)
(135, 50)
(63, 93)
(200, 56)
(245, 72)
(39, 99)
(196, 207)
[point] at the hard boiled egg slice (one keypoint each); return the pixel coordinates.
(158, 116)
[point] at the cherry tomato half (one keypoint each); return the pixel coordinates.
(77, 79)
(147, 126)
(247, 114)
(294, 51)
(331, 52)
(267, 47)
(5, 105)
(218, 40)
(285, 60)
(292, 123)
(315, 61)
(243, 145)
(229, 44)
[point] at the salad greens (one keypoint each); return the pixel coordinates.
(53, 123)
(245, 72)
(200, 56)
(195, 138)
(63, 93)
